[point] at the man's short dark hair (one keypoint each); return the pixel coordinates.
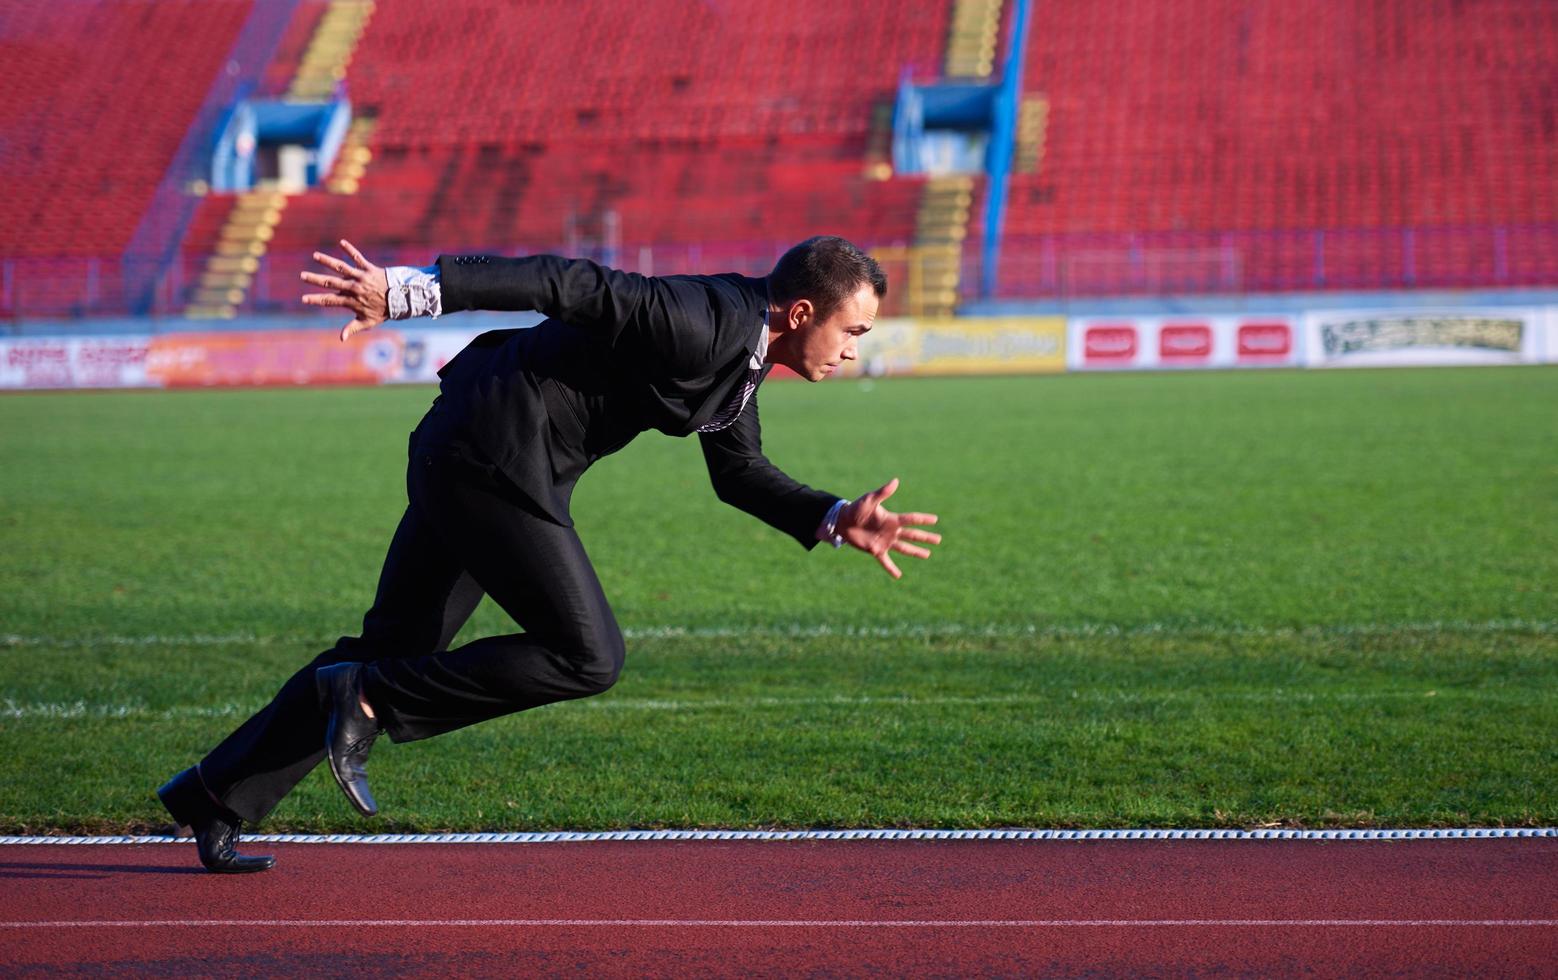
(826, 270)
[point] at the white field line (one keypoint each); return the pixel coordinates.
(802, 631)
(776, 923)
(14, 710)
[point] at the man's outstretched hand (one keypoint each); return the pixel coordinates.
(362, 288)
(869, 526)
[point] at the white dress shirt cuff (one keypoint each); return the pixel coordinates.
(828, 529)
(414, 291)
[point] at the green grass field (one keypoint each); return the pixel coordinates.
(1211, 599)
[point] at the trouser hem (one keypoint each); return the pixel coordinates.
(384, 713)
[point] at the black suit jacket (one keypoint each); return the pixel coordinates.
(619, 354)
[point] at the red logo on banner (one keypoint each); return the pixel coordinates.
(1185, 342)
(1109, 343)
(1262, 341)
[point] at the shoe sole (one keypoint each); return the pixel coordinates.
(241, 871)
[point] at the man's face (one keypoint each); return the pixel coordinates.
(818, 347)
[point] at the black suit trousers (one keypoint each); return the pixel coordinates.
(466, 531)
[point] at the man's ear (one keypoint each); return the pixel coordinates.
(800, 313)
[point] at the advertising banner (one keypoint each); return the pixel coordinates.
(272, 357)
(1379, 338)
(233, 358)
(73, 362)
(895, 346)
(963, 345)
(196, 360)
(1181, 341)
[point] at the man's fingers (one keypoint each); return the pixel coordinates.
(887, 563)
(329, 282)
(355, 327)
(914, 517)
(912, 550)
(913, 534)
(328, 299)
(888, 489)
(344, 268)
(356, 255)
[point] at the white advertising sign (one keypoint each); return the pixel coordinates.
(1405, 337)
(73, 362)
(1182, 341)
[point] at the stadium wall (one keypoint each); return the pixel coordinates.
(1363, 337)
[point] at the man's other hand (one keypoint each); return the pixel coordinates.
(867, 525)
(362, 288)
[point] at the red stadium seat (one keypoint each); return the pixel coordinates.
(1303, 116)
(98, 98)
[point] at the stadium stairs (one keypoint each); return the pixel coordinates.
(941, 225)
(234, 258)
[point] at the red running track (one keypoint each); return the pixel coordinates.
(1461, 907)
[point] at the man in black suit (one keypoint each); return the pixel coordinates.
(521, 414)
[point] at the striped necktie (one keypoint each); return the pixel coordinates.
(732, 409)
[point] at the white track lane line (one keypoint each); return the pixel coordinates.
(779, 923)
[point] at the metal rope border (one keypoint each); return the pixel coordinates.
(573, 837)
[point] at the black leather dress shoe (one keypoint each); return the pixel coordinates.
(350, 733)
(215, 827)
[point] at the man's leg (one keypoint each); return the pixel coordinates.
(423, 599)
(539, 573)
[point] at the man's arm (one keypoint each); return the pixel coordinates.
(744, 478)
(576, 291)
